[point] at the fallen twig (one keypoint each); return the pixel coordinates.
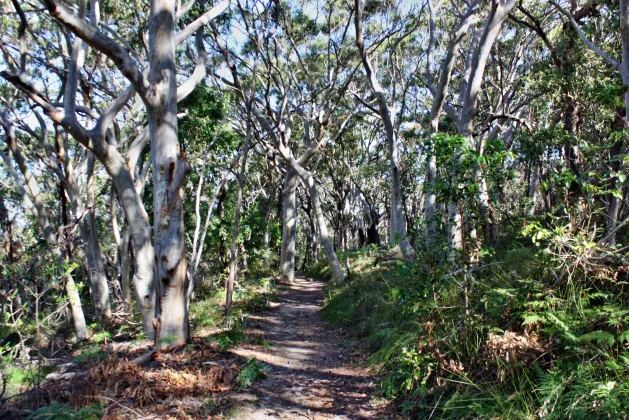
(118, 404)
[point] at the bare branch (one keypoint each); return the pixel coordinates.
(585, 39)
(101, 42)
(201, 21)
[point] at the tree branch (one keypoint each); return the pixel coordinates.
(585, 39)
(201, 21)
(101, 42)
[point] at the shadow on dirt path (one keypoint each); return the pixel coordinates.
(312, 375)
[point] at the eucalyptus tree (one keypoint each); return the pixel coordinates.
(160, 272)
(464, 113)
(439, 91)
(397, 220)
(42, 214)
(575, 14)
(301, 89)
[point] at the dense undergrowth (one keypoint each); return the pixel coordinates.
(533, 330)
(94, 379)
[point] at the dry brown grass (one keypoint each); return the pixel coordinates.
(168, 385)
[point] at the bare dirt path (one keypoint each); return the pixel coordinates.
(313, 369)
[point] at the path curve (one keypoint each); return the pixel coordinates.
(313, 369)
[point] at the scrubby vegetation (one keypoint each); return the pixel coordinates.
(103, 377)
(539, 328)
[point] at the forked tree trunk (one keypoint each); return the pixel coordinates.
(161, 268)
(470, 91)
(397, 221)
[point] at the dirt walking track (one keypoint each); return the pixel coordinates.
(313, 369)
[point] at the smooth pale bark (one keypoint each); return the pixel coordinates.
(289, 225)
(454, 232)
(499, 13)
(314, 237)
(397, 221)
(115, 165)
(159, 94)
(85, 217)
(125, 284)
(122, 242)
(169, 171)
(324, 238)
(439, 94)
(140, 233)
(96, 264)
(471, 84)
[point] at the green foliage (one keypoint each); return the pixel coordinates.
(92, 354)
(230, 338)
(60, 411)
(534, 331)
(20, 378)
(251, 372)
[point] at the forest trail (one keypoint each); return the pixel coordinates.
(313, 369)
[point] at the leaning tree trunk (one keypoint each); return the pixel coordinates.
(324, 237)
(139, 229)
(41, 216)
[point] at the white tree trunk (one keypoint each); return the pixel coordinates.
(455, 232)
(324, 237)
(96, 265)
(289, 226)
(169, 171)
